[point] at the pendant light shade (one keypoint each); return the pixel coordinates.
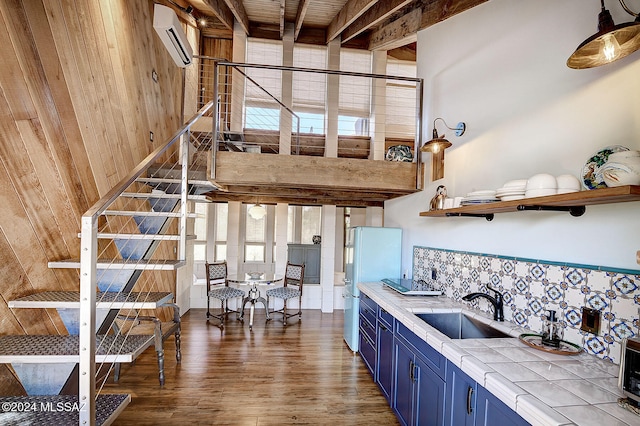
(610, 43)
(257, 211)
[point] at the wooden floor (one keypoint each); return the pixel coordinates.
(301, 374)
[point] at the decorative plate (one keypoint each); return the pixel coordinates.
(399, 153)
(591, 175)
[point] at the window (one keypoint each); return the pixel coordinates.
(262, 111)
(309, 89)
(210, 228)
(200, 231)
(304, 223)
(355, 92)
(401, 100)
(255, 237)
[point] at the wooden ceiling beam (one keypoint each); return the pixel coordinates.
(237, 8)
(299, 199)
(217, 8)
(349, 13)
(300, 14)
(372, 17)
(418, 16)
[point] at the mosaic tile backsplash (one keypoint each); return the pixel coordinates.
(533, 287)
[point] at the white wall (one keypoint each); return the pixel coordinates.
(500, 67)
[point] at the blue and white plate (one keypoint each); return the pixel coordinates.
(591, 174)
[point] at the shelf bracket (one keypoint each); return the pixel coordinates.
(488, 216)
(575, 211)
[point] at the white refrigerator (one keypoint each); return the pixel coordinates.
(371, 253)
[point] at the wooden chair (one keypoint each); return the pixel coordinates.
(292, 288)
(218, 288)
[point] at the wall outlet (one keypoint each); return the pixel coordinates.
(434, 274)
(590, 321)
(154, 75)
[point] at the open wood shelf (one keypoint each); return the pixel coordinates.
(574, 200)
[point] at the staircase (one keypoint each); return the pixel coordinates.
(129, 239)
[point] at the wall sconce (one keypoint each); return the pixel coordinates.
(437, 145)
(610, 43)
(257, 211)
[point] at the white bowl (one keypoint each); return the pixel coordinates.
(531, 193)
(517, 183)
(568, 182)
(542, 181)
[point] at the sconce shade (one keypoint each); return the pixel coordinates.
(437, 145)
(610, 43)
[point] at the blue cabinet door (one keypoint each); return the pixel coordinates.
(460, 407)
(384, 375)
(491, 411)
(430, 396)
(402, 400)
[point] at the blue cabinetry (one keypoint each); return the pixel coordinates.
(491, 411)
(384, 361)
(418, 389)
(470, 404)
(368, 333)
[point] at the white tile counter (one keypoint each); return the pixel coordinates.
(544, 388)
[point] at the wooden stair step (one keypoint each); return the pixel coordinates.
(121, 264)
(44, 349)
(104, 300)
(59, 409)
(154, 237)
(145, 213)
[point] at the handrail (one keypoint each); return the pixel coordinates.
(89, 257)
(101, 205)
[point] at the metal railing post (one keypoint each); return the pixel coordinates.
(87, 317)
(418, 142)
(216, 120)
(184, 193)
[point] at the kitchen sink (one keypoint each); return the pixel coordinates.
(457, 325)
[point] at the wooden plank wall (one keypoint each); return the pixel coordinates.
(77, 103)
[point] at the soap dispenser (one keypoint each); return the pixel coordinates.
(552, 333)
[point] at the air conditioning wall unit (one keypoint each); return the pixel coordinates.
(169, 29)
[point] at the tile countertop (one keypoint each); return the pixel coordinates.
(544, 388)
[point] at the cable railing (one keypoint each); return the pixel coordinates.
(294, 110)
(128, 238)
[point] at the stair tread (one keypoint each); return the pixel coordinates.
(135, 264)
(53, 348)
(59, 409)
(104, 300)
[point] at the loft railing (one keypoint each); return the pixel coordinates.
(258, 101)
(130, 249)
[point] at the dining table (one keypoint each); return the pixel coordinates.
(253, 297)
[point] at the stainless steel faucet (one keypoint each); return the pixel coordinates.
(497, 302)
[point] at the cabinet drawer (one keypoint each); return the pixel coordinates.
(368, 353)
(368, 311)
(433, 358)
(367, 328)
(368, 302)
(385, 317)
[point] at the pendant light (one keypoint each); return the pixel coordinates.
(610, 43)
(257, 211)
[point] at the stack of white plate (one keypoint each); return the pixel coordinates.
(512, 190)
(480, 197)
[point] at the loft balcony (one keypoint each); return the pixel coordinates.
(267, 151)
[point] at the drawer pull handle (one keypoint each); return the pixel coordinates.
(469, 395)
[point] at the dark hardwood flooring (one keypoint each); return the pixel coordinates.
(300, 374)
